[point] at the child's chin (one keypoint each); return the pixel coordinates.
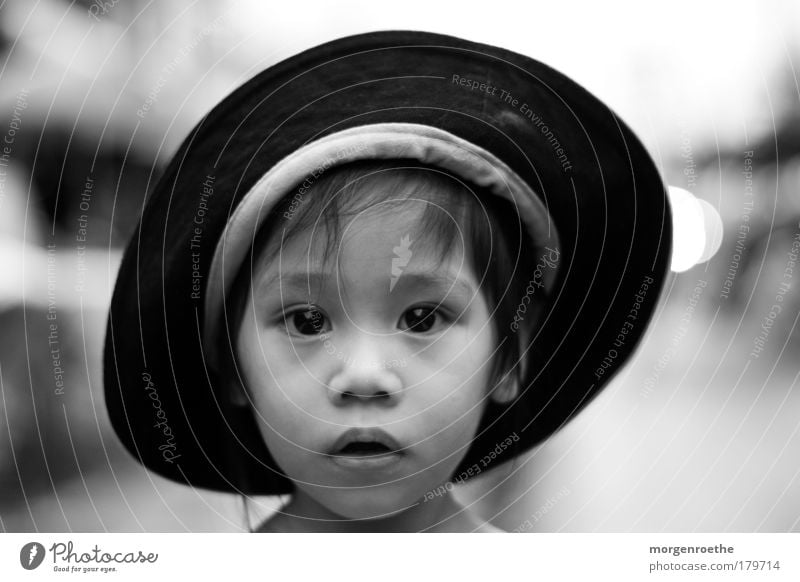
(361, 505)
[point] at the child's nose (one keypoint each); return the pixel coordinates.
(363, 378)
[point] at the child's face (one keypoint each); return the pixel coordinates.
(410, 366)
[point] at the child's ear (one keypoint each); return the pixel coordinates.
(507, 389)
(509, 386)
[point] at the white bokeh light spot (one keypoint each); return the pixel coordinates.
(696, 230)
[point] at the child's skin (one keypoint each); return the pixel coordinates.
(308, 389)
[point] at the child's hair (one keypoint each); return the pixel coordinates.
(497, 246)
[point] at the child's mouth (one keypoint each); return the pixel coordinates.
(365, 449)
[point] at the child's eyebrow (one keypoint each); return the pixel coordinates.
(313, 280)
(445, 281)
(298, 281)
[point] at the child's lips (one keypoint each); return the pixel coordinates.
(365, 448)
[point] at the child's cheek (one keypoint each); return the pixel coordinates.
(462, 352)
(452, 396)
(286, 414)
(277, 370)
(291, 379)
(446, 430)
(452, 378)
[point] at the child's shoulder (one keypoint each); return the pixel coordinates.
(489, 528)
(468, 522)
(276, 523)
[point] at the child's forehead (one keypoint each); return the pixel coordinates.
(450, 278)
(379, 233)
(375, 257)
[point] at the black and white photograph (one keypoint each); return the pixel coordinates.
(419, 267)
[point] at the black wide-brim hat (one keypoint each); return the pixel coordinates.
(582, 181)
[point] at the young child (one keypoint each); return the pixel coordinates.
(389, 263)
(367, 331)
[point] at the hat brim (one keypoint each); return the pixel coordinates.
(594, 179)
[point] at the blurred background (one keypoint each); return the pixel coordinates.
(698, 433)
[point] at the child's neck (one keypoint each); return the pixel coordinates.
(444, 514)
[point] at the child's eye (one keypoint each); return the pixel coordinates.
(421, 319)
(307, 321)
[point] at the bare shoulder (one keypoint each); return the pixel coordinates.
(273, 524)
(487, 527)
